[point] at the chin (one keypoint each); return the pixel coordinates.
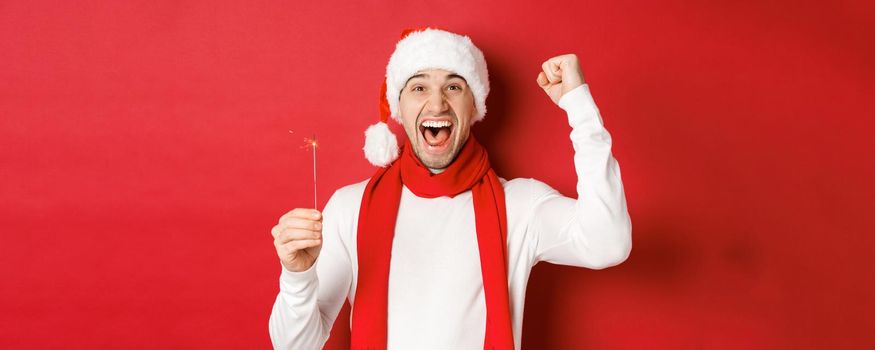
(436, 161)
(440, 162)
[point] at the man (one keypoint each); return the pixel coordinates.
(434, 251)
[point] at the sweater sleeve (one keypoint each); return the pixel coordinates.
(309, 301)
(595, 230)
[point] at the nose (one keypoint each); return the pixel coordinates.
(437, 102)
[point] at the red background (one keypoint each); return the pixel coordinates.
(145, 155)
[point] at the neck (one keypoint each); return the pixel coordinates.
(436, 171)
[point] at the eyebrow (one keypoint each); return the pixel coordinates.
(423, 75)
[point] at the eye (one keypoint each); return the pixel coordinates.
(416, 87)
(456, 86)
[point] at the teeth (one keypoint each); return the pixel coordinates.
(436, 124)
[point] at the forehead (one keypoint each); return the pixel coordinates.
(436, 74)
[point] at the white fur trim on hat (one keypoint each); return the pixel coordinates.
(437, 49)
(381, 146)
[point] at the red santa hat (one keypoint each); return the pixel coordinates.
(423, 48)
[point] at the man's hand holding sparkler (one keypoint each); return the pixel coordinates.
(559, 75)
(298, 238)
(298, 235)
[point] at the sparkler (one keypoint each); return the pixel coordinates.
(311, 143)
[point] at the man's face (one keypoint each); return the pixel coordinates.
(436, 109)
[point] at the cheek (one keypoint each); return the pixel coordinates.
(464, 131)
(465, 111)
(409, 110)
(408, 114)
(466, 104)
(408, 125)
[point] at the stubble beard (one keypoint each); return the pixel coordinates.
(436, 162)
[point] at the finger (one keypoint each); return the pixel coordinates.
(275, 231)
(302, 213)
(296, 234)
(557, 65)
(307, 224)
(552, 73)
(542, 80)
(568, 67)
(297, 245)
(571, 62)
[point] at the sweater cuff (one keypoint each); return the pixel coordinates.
(580, 106)
(297, 282)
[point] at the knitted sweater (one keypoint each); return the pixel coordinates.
(436, 298)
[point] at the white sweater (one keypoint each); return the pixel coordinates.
(436, 298)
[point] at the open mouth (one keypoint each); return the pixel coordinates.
(436, 133)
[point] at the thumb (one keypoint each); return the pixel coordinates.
(542, 80)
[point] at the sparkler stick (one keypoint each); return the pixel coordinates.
(311, 143)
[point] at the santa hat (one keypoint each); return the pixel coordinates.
(423, 48)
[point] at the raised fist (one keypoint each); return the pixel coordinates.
(559, 75)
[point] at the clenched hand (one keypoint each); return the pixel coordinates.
(298, 238)
(559, 75)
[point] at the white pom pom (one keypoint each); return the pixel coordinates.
(381, 146)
